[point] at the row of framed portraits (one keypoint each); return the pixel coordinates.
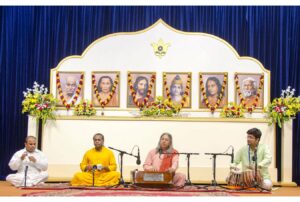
(141, 87)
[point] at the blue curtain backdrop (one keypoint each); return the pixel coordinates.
(34, 39)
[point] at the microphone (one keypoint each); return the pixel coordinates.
(232, 155)
(138, 160)
(97, 167)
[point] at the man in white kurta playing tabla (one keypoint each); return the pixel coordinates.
(30, 161)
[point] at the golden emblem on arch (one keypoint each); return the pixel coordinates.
(160, 48)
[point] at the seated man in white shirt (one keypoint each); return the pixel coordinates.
(30, 162)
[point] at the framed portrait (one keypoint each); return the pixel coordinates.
(249, 90)
(177, 88)
(141, 87)
(69, 88)
(105, 89)
(213, 90)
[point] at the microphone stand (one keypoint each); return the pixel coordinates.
(93, 174)
(255, 168)
(188, 155)
(214, 156)
(25, 177)
(121, 153)
(255, 181)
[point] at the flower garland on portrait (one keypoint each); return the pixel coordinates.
(202, 88)
(61, 96)
(185, 94)
(103, 103)
(242, 99)
(133, 93)
(39, 103)
(84, 108)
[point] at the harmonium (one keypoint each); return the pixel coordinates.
(151, 178)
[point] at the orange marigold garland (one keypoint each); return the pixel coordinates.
(242, 99)
(133, 93)
(186, 92)
(214, 107)
(61, 96)
(103, 103)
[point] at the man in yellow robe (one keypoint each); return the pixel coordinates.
(99, 160)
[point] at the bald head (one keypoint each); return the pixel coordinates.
(30, 137)
(249, 87)
(30, 143)
(71, 79)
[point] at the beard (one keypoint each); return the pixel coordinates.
(248, 93)
(142, 92)
(177, 98)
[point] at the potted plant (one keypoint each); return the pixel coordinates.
(161, 107)
(84, 108)
(232, 110)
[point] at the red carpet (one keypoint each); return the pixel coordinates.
(63, 189)
(81, 192)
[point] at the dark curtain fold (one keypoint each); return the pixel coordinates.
(34, 39)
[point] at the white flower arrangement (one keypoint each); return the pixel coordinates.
(38, 103)
(283, 108)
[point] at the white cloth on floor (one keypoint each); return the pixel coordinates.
(36, 172)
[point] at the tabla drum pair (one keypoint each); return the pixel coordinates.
(243, 179)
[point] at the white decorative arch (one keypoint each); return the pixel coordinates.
(188, 52)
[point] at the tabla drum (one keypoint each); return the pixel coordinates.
(249, 178)
(235, 178)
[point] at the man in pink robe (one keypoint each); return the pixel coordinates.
(164, 158)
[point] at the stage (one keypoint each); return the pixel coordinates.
(63, 189)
